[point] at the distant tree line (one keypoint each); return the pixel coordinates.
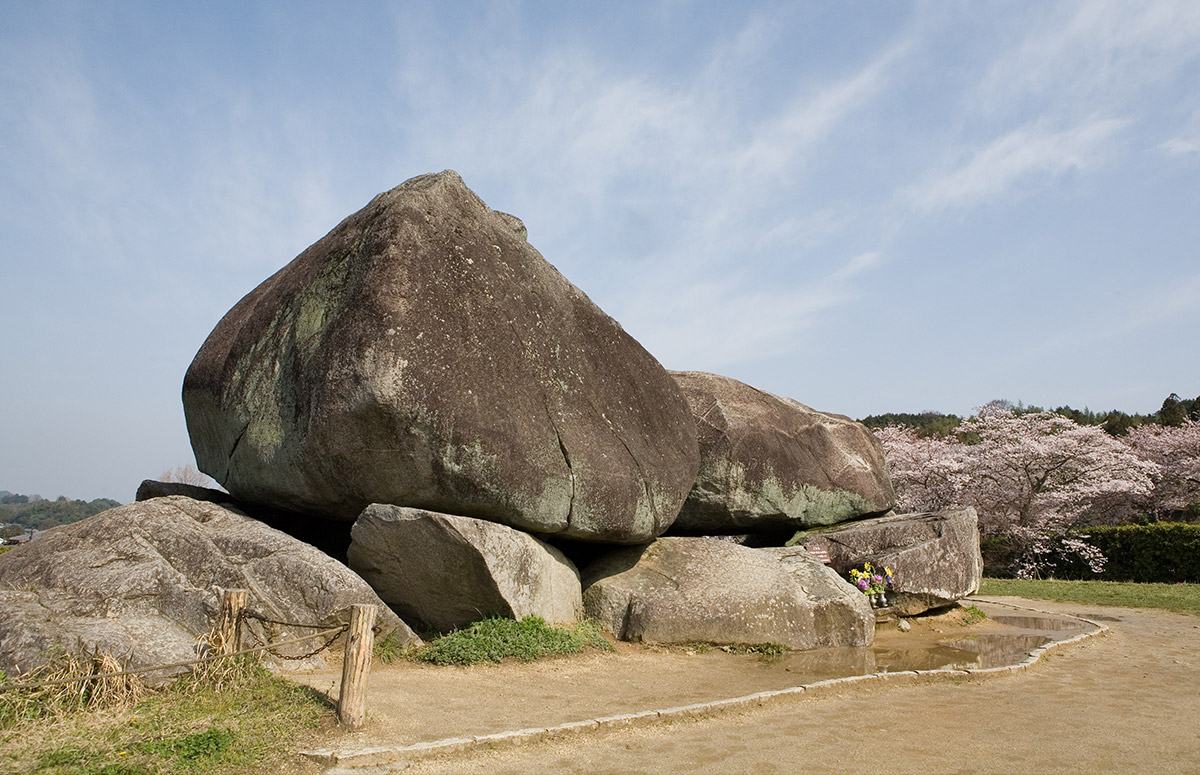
(21, 513)
(1175, 411)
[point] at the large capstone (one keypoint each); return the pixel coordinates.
(442, 571)
(770, 464)
(935, 555)
(424, 354)
(141, 583)
(680, 590)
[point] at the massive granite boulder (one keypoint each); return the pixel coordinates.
(424, 354)
(442, 572)
(770, 464)
(140, 582)
(935, 555)
(679, 590)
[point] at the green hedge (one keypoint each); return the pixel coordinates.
(1161, 551)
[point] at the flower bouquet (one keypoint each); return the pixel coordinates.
(873, 583)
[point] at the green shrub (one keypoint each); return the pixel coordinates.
(998, 556)
(1167, 552)
(495, 640)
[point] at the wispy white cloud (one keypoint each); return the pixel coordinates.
(1156, 307)
(1088, 54)
(681, 181)
(1182, 145)
(722, 323)
(810, 118)
(803, 230)
(1018, 159)
(1186, 142)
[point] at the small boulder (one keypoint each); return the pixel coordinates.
(329, 535)
(140, 582)
(442, 572)
(424, 354)
(679, 590)
(152, 488)
(935, 555)
(768, 463)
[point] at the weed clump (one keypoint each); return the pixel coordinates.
(973, 614)
(525, 640)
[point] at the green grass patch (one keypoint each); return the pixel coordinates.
(496, 640)
(973, 615)
(246, 726)
(1181, 598)
(390, 649)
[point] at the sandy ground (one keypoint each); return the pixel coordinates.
(1125, 702)
(410, 703)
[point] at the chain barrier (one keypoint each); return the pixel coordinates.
(246, 614)
(264, 645)
(270, 649)
(104, 675)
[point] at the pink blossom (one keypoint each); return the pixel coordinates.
(1031, 477)
(1176, 452)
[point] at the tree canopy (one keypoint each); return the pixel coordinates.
(20, 513)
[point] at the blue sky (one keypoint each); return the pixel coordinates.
(865, 206)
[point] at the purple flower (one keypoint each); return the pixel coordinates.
(863, 584)
(877, 578)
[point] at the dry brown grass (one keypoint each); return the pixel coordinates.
(67, 684)
(86, 715)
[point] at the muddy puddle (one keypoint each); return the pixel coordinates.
(1006, 638)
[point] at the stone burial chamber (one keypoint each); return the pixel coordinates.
(425, 398)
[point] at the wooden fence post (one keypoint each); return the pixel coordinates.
(233, 602)
(356, 666)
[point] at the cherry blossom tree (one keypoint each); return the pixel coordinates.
(929, 473)
(1176, 452)
(186, 475)
(1032, 477)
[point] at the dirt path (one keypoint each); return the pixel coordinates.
(411, 703)
(1127, 702)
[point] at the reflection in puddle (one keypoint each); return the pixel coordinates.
(1040, 623)
(1005, 640)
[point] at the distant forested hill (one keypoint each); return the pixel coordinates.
(1174, 411)
(19, 513)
